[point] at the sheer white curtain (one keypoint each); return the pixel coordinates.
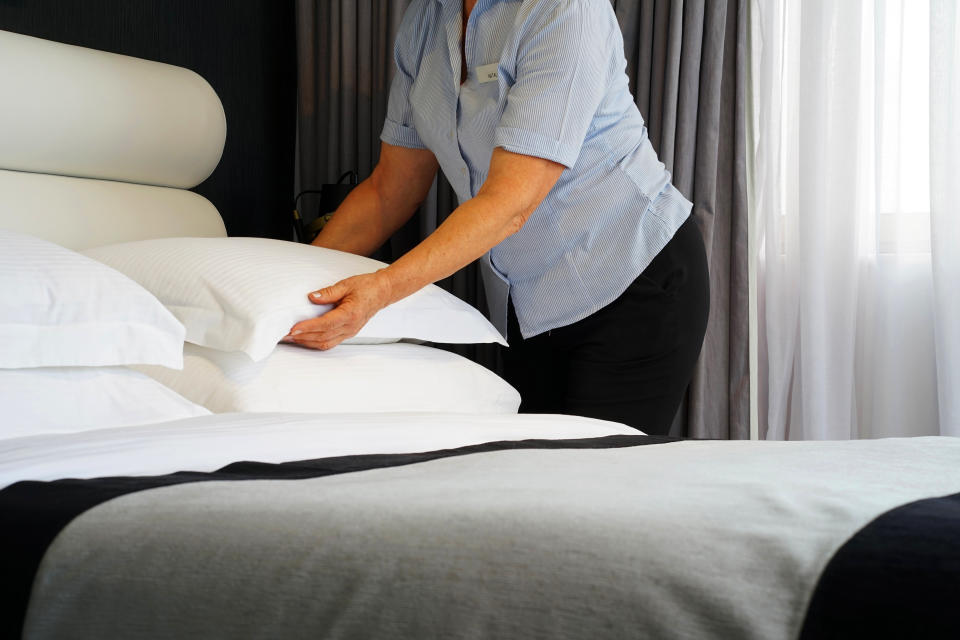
(945, 203)
(854, 189)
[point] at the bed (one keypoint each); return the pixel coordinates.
(168, 470)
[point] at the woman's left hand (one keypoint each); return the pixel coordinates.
(355, 301)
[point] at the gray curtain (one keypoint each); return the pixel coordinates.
(687, 62)
(687, 66)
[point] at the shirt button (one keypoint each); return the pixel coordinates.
(463, 171)
(452, 134)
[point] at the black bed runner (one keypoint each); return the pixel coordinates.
(33, 513)
(898, 577)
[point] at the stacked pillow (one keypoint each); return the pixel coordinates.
(244, 294)
(345, 379)
(237, 297)
(68, 327)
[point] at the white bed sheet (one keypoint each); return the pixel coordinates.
(207, 443)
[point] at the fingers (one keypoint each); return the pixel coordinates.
(323, 337)
(323, 343)
(325, 332)
(323, 324)
(355, 300)
(328, 295)
(337, 318)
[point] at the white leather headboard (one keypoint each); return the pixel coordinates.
(82, 134)
(80, 213)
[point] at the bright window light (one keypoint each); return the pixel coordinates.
(903, 110)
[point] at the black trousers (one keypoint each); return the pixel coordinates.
(632, 360)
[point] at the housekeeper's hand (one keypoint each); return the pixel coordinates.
(355, 301)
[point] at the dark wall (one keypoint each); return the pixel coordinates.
(244, 48)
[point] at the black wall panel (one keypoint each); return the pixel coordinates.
(246, 51)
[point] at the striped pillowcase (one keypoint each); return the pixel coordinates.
(244, 294)
(61, 309)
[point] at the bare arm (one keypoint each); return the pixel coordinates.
(382, 203)
(515, 187)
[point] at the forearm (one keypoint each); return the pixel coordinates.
(380, 205)
(358, 225)
(470, 231)
(513, 190)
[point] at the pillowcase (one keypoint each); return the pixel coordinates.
(244, 294)
(59, 308)
(72, 399)
(347, 378)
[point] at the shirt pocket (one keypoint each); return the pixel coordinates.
(644, 169)
(432, 105)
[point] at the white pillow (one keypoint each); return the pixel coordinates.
(244, 294)
(71, 399)
(59, 308)
(348, 378)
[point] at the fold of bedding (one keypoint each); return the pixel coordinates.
(207, 443)
(680, 540)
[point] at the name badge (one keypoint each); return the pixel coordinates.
(487, 73)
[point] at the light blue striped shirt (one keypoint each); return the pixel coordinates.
(546, 78)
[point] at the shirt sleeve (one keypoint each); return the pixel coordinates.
(562, 73)
(398, 128)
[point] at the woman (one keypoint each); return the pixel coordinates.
(593, 268)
